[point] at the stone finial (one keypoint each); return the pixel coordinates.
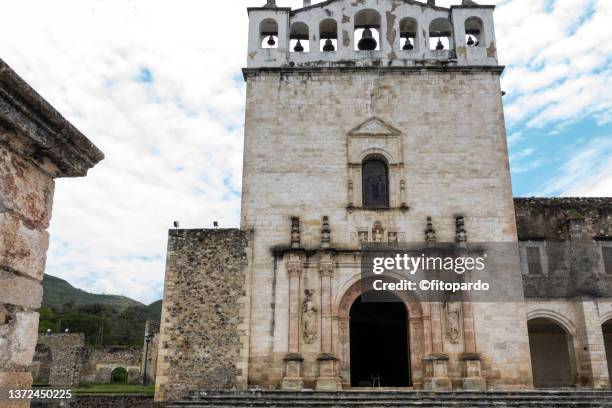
(270, 4)
(461, 234)
(325, 233)
(431, 3)
(307, 3)
(430, 232)
(468, 3)
(295, 232)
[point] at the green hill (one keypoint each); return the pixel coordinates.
(58, 292)
(105, 320)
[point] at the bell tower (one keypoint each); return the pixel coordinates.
(373, 121)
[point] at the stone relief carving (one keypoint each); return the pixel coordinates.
(309, 317)
(453, 321)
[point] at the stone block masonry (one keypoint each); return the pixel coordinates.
(204, 312)
(37, 145)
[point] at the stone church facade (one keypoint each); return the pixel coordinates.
(377, 121)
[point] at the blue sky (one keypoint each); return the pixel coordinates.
(157, 86)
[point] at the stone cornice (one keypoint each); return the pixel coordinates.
(39, 132)
(430, 69)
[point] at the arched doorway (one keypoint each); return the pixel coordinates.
(607, 335)
(119, 375)
(551, 354)
(419, 332)
(379, 344)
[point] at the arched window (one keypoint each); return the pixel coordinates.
(299, 40)
(439, 34)
(408, 34)
(328, 35)
(268, 34)
(367, 30)
(474, 32)
(375, 183)
(119, 375)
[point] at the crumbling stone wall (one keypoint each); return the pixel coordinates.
(66, 353)
(572, 232)
(572, 288)
(150, 353)
(99, 363)
(202, 328)
(36, 145)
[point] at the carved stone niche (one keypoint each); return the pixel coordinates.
(375, 138)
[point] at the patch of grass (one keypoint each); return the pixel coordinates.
(113, 389)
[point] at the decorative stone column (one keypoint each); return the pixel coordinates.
(293, 360)
(327, 378)
(436, 363)
(294, 262)
(472, 370)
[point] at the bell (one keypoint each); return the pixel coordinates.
(367, 42)
(298, 47)
(271, 41)
(329, 46)
(408, 45)
(439, 46)
(470, 41)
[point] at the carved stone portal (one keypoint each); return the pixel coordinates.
(309, 318)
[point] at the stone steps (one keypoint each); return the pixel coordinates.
(288, 399)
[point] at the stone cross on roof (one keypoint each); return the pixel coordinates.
(270, 4)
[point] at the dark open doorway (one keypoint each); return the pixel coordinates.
(550, 354)
(379, 345)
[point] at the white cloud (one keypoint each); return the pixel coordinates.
(588, 173)
(173, 146)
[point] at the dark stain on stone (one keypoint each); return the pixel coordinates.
(491, 50)
(346, 39)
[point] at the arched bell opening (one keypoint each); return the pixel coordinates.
(408, 34)
(328, 35)
(367, 30)
(440, 33)
(474, 32)
(551, 347)
(299, 40)
(268, 33)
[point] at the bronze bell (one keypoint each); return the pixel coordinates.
(367, 42)
(470, 41)
(271, 41)
(439, 46)
(298, 47)
(329, 46)
(408, 45)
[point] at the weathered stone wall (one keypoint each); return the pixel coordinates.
(25, 209)
(99, 363)
(150, 355)
(307, 132)
(203, 314)
(65, 352)
(572, 288)
(36, 145)
(104, 401)
(551, 218)
(570, 234)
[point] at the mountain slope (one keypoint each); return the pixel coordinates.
(58, 292)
